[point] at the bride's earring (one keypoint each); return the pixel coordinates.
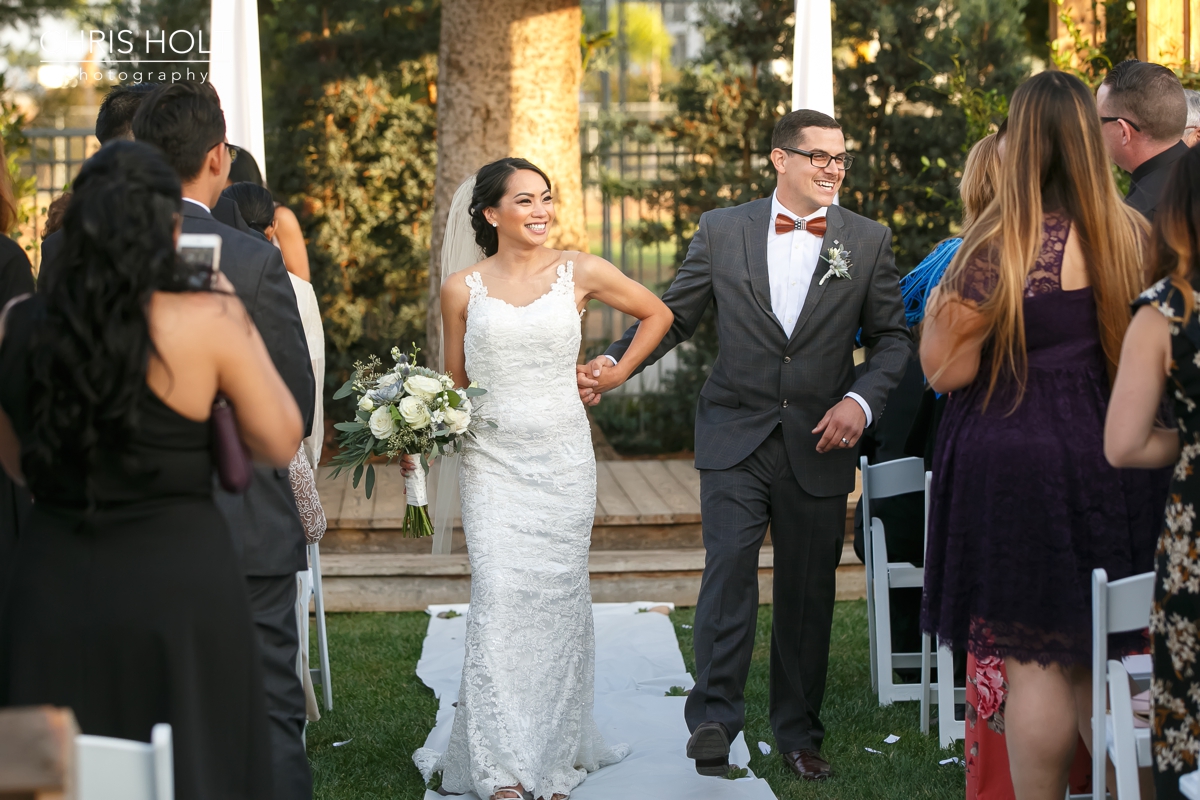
(495, 224)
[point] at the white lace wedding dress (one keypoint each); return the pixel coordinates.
(528, 487)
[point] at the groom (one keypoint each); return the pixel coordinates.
(777, 423)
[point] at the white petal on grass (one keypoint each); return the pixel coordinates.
(348, 741)
(764, 748)
(891, 739)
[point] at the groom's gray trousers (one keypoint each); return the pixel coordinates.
(737, 505)
(765, 377)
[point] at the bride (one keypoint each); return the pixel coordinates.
(523, 725)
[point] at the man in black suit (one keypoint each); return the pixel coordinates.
(1143, 112)
(115, 121)
(185, 121)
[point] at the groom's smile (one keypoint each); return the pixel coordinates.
(805, 187)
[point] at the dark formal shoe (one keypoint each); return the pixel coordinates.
(808, 765)
(709, 748)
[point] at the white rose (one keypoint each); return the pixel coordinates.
(415, 412)
(457, 419)
(382, 424)
(422, 386)
(365, 404)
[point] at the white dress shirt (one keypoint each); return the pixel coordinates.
(197, 202)
(792, 258)
(792, 262)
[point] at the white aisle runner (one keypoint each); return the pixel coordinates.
(637, 662)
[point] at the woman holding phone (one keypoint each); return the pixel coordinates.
(127, 602)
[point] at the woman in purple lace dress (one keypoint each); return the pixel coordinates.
(1025, 332)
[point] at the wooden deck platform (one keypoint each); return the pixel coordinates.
(646, 543)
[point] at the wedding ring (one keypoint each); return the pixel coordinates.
(845, 441)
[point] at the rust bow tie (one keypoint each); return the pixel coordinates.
(785, 224)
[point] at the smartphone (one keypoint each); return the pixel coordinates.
(200, 260)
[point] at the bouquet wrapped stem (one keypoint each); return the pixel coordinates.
(405, 410)
(416, 516)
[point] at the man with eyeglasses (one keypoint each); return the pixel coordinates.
(1143, 113)
(792, 277)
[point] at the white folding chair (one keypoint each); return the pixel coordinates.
(118, 769)
(889, 479)
(320, 675)
(1117, 607)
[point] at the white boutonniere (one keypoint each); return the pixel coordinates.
(838, 260)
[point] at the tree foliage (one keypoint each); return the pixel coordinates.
(916, 85)
(349, 103)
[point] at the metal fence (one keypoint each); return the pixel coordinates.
(55, 156)
(612, 157)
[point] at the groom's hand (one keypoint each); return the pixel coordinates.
(587, 376)
(841, 427)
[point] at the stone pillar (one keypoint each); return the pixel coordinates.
(508, 85)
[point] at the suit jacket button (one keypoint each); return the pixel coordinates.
(785, 403)
(787, 359)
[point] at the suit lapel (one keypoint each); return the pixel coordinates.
(834, 231)
(755, 232)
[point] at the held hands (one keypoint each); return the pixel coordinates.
(597, 377)
(842, 426)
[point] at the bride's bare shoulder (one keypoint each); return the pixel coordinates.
(588, 266)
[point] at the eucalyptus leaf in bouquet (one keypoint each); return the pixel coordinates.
(404, 410)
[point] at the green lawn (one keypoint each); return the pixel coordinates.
(385, 712)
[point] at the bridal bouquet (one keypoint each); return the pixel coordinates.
(405, 410)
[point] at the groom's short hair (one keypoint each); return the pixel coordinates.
(789, 131)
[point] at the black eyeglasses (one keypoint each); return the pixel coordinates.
(821, 160)
(233, 151)
(1128, 122)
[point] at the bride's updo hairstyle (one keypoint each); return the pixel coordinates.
(491, 182)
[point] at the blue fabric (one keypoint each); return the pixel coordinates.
(916, 285)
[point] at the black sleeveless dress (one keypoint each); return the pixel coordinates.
(132, 610)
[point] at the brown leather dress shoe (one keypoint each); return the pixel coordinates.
(808, 764)
(709, 748)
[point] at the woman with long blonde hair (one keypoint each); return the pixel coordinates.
(1024, 333)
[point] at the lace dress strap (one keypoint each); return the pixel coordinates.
(475, 284)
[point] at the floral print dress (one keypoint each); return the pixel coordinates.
(1175, 689)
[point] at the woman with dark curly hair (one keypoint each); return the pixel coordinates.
(127, 603)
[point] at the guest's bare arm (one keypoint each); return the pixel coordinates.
(600, 280)
(1131, 437)
(291, 242)
(952, 337)
(268, 418)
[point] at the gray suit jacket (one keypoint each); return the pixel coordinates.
(762, 377)
(265, 523)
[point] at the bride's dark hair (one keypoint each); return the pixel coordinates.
(491, 182)
(90, 350)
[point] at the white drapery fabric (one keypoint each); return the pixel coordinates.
(236, 74)
(812, 59)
